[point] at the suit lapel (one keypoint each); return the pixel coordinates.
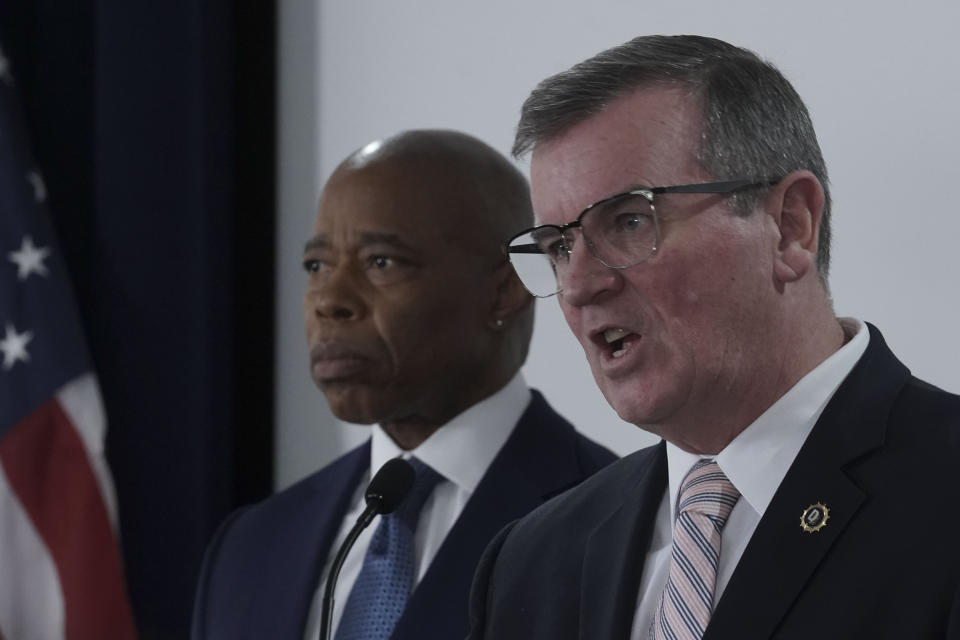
(614, 557)
(781, 556)
(511, 488)
(300, 557)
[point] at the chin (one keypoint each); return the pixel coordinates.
(641, 405)
(632, 414)
(353, 417)
(350, 405)
(351, 414)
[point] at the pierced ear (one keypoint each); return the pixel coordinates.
(511, 298)
(796, 206)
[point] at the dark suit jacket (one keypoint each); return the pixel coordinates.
(884, 458)
(263, 566)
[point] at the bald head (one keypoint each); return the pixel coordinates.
(480, 192)
(413, 312)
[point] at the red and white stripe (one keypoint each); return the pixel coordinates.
(61, 574)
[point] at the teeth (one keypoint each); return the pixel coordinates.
(612, 335)
(618, 353)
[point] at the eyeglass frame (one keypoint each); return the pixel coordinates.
(721, 187)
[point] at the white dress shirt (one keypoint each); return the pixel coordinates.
(460, 451)
(756, 461)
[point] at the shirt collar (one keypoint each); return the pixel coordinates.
(462, 449)
(757, 460)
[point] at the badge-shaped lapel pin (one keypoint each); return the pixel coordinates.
(815, 517)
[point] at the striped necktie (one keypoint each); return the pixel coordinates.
(380, 593)
(706, 499)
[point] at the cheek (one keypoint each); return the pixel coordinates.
(718, 309)
(402, 334)
(309, 317)
(690, 302)
(724, 268)
(572, 317)
(678, 289)
(421, 331)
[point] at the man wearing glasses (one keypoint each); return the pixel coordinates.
(805, 485)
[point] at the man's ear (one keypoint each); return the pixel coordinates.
(796, 205)
(511, 297)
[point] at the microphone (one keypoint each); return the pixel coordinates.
(386, 491)
(388, 488)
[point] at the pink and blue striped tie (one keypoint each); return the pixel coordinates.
(705, 501)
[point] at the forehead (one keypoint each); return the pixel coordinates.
(647, 138)
(404, 199)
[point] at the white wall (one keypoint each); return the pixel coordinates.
(880, 79)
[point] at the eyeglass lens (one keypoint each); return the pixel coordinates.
(620, 232)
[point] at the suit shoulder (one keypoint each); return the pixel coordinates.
(925, 411)
(925, 394)
(591, 455)
(592, 497)
(284, 535)
(298, 503)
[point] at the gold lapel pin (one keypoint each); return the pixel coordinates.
(815, 517)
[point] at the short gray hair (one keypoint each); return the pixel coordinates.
(755, 125)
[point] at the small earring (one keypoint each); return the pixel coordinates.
(498, 322)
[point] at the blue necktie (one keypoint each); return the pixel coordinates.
(380, 593)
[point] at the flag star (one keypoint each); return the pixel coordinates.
(14, 347)
(29, 259)
(39, 188)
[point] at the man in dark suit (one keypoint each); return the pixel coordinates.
(416, 322)
(805, 484)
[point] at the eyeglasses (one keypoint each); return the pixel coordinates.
(621, 231)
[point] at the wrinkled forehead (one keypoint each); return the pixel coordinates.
(647, 138)
(415, 201)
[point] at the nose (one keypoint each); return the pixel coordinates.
(337, 299)
(585, 279)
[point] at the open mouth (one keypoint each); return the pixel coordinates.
(618, 341)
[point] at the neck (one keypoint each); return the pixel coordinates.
(798, 351)
(410, 431)
(409, 435)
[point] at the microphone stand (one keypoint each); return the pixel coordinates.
(383, 495)
(326, 610)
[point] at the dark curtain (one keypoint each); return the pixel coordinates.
(152, 123)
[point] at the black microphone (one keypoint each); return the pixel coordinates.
(384, 494)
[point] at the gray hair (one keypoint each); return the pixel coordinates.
(755, 125)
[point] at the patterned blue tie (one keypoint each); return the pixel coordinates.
(380, 593)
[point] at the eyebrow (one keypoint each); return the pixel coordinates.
(321, 241)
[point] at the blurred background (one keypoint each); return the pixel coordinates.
(184, 145)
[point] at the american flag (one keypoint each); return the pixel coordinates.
(60, 565)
